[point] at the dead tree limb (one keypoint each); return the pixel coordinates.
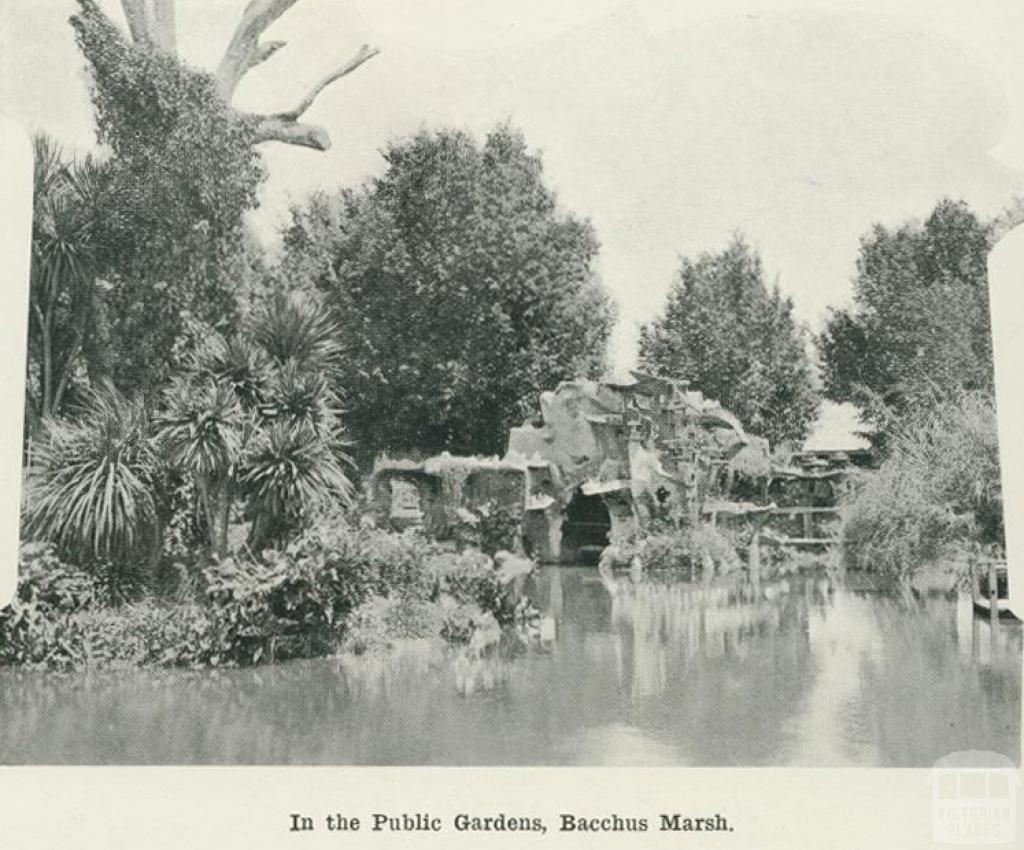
(365, 54)
(152, 22)
(135, 13)
(275, 128)
(244, 50)
(286, 127)
(165, 25)
(1008, 220)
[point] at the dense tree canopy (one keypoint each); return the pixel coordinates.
(919, 328)
(736, 341)
(461, 289)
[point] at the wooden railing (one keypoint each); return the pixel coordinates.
(808, 515)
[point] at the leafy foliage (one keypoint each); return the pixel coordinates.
(470, 576)
(201, 427)
(736, 341)
(290, 328)
(461, 291)
(919, 329)
(935, 496)
(687, 550)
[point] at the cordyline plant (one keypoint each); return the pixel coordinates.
(247, 421)
(256, 416)
(63, 301)
(93, 481)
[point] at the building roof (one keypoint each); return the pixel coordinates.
(838, 429)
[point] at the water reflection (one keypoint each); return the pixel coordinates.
(803, 671)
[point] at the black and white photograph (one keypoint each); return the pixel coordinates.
(605, 385)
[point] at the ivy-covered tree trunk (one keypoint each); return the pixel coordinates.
(184, 168)
(152, 25)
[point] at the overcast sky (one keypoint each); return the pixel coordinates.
(669, 128)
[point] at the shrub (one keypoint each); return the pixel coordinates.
(367, 561)
(335, 583)
(280, 608)
(33, 635)
(936, 495)
(298, 603)
(488, 527)
(381, 620)
(462, 622)
(498, 528)
(688, 549)
(50, 583)
(142, 635)
(469, 576)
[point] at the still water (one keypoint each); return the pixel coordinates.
(803, 671)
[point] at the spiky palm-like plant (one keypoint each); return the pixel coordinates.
(236, 361)
(203, 430)
(292, 327)
(256, 415)
(302, 397)
(292, 471)
(62, 291)
(91, 487)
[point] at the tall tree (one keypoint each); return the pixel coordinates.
(736, 341)
(184, 168)
(461, 290)
(919, 328)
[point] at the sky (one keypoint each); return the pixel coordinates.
(670, 125)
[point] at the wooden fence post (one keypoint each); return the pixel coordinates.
(993, 606)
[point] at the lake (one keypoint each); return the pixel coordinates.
(802, 671)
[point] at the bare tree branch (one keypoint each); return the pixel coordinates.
(278, 128)
(1009, 219)
(285, 126)
(365, 54)
(165, 25)
(152, 22)
(244, 50)
(136, 14)
(265, 50)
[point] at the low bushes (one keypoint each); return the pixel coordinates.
(686, 551)
(335, 585)
(468, 577)
(61, 618)
(690, 549)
